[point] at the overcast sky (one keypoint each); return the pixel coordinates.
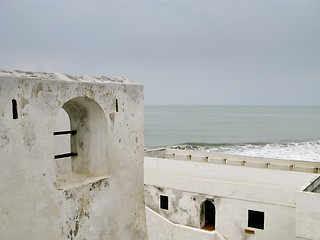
(203, 52)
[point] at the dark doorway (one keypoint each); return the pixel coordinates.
(208, 216)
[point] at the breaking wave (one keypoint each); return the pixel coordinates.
(307, 151)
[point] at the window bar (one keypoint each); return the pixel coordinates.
(73, 132)
(65, 155)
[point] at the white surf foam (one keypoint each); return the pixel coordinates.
(307, 151)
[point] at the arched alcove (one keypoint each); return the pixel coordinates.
(208, 215)
(88, 136)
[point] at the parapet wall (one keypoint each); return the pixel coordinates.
(237, 160)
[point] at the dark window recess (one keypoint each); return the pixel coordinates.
(164, 202)
(117, 105)
(14, 109)
(210, 213)
(73, 132)
(256, 219)
(65, 155)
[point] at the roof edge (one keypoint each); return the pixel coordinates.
(63, 77)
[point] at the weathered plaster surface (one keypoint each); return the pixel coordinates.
(260, 185)
(234, 191)
(308, 211)
(42, 199)
(184, 207)
(160, 228)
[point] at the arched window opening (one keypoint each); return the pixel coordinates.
(88, 136)
(208, 216)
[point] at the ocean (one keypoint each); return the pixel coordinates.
(286, 132)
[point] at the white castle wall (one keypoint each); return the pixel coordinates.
(184, 207)
(97, 194)
(159, 228)
(234, 191)
(308, 211)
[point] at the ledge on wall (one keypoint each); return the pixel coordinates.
(74, 180)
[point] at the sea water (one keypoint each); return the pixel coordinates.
(287, 132)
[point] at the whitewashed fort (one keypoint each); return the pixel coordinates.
(73, 166)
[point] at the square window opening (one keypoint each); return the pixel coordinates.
(164, 202)
(256, 219)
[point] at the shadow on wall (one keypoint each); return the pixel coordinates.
(87, 134)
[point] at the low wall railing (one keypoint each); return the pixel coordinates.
(236, 160)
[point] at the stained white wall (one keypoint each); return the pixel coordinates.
(231, 214)
(308, 215)
(261, 185)
(235, 190)
(232, 220)
(184, 207)
(160, 228)
(39, 202)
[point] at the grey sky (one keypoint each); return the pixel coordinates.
(183, 52)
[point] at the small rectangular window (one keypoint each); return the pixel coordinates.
(164, 202)
(256, 219)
